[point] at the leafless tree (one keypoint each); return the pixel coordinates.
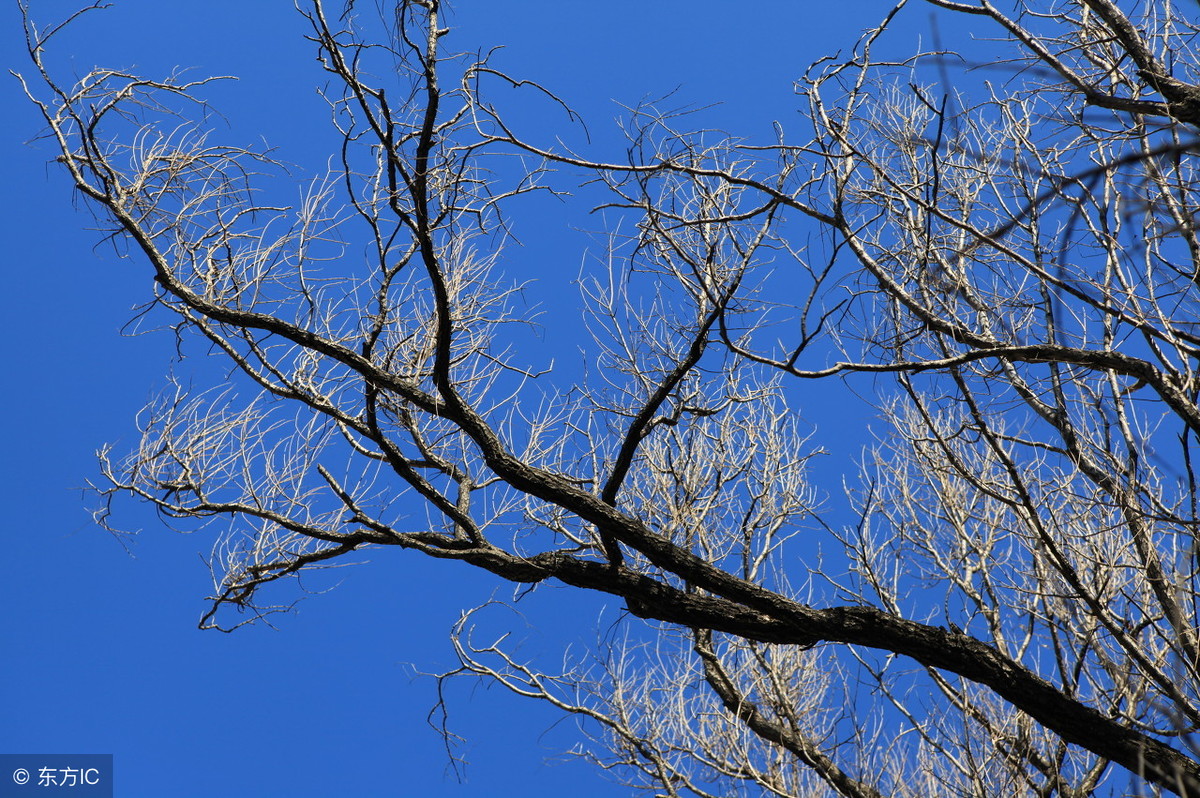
(999, 246)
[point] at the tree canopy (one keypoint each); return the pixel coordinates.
(992, 243)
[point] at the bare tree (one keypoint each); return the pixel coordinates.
(1009, 256)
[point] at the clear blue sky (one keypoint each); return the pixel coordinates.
(99, 651)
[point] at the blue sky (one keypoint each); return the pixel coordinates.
(100, 648)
